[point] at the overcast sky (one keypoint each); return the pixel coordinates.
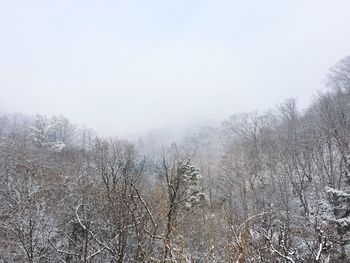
(123, 67)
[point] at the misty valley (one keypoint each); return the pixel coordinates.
(269, 186)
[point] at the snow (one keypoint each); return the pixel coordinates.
(344, 222)
(336, 192)
(58, 146)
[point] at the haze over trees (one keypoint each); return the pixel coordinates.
(261, 187)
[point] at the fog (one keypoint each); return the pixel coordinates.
(124, 67)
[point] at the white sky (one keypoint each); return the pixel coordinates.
(127, 66)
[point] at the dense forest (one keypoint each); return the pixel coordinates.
(260, 187)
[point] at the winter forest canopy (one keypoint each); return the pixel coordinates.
(260, 187)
